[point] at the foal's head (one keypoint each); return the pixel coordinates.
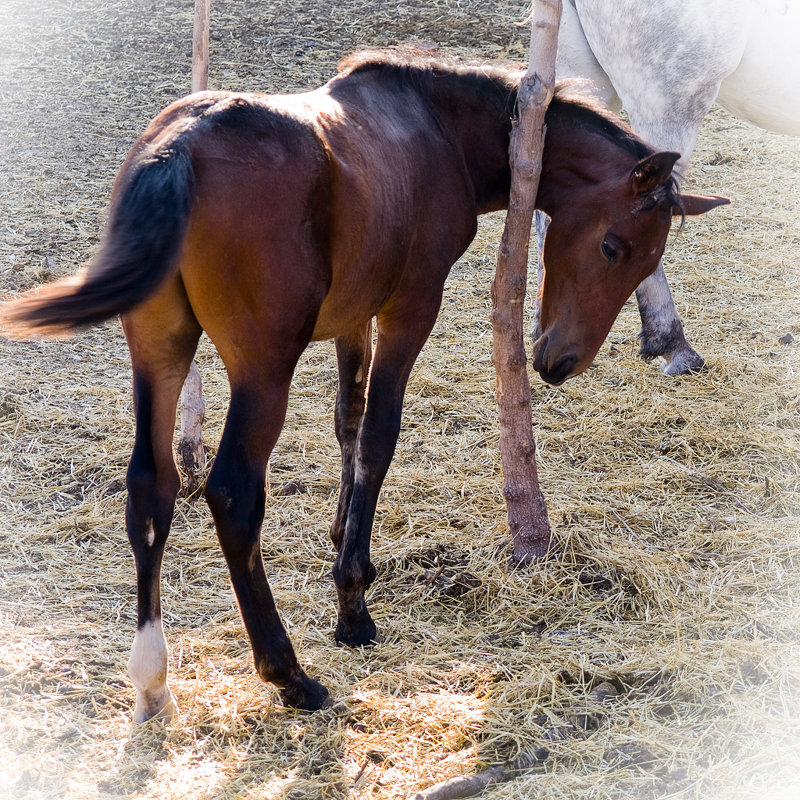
(611, 200)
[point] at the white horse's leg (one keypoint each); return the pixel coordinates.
(574, 60)
(662, 331)
(666, 62)
(541, 220)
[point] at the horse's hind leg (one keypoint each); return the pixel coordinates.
(162, 336)
(353, 355)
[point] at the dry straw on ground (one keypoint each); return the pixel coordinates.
(657, 656)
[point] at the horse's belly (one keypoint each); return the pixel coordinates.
(765, 88)
(359, 288)
(341, 314)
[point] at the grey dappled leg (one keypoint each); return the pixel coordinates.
(662, 330)
(541, 221)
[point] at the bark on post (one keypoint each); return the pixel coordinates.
(527, 513)
(202, 16)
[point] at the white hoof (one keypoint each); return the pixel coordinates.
(161, 705)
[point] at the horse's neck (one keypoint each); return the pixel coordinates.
(477, 111)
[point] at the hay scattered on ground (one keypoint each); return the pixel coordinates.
(675, 501)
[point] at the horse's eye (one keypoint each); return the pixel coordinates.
(608, 250)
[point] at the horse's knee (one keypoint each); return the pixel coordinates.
(353, 575)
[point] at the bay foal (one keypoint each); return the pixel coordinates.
(271, 221)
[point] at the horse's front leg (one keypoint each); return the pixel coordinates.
(354, 356)
(398, 345)
(662, 330)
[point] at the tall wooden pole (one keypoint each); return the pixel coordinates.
(527, 513)
(191, 406)
(202, 16)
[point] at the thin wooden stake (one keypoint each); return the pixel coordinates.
(527, 513)
(191, 407)
(202, 17)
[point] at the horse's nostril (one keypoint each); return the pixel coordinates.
(558, 372)
(539, 347)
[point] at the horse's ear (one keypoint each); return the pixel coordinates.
(653, 171)
(694, 204)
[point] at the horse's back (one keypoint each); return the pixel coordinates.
(332, 203)
(257, 241)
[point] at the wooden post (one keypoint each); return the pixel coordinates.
(527, 513)
(202, 16)
(191, 405)
(192, 413)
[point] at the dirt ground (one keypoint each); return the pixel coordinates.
(656, 657)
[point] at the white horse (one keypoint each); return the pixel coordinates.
(666, 63)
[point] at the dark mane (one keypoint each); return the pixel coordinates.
(419, 68)
(411, 61)
(572, 105)
(575, 106)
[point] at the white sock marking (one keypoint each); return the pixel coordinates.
(147, 667)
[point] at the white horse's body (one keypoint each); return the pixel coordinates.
(666, 63)
(764, 88)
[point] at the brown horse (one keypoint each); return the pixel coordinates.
(271, 221)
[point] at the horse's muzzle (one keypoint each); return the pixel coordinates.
(554, 368)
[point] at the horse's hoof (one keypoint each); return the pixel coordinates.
(155, 705)
(682, 362)
(360, 634)
(305, 694)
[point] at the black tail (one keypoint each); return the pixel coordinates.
(142, 239)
